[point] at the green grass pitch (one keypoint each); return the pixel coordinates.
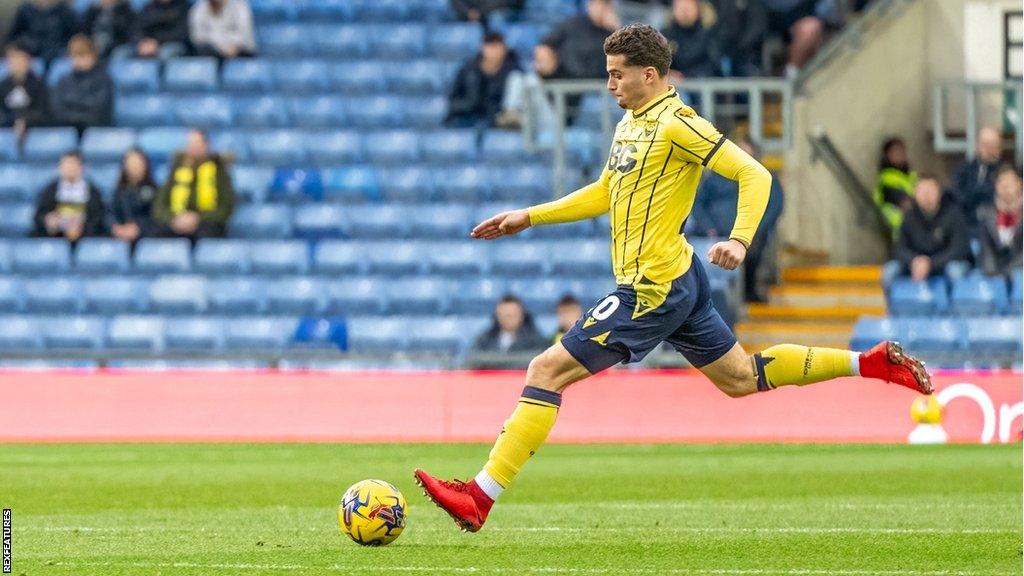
(594, 509)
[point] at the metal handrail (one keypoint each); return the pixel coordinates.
(972, 93)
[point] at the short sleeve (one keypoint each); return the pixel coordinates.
(694, 139)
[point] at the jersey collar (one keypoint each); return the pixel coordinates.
(658, 100)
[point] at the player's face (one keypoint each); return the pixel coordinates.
(631, 85)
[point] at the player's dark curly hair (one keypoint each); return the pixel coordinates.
(642, 45)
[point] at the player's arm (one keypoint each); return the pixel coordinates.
(588, 202)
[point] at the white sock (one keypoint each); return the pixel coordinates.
(489, 485)
(855, 362)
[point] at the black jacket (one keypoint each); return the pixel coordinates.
(528, 338)
(26, 100)
(696, 50)
(44, 32)
(475, 94)
(163, 22)
(942, 237)
(579, 44)
(975, 186)
(485, 7)
(109, 27)
(996, 257)
(134, 203)
(83, 99)
(49, 200)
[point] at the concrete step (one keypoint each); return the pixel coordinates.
(834, 314)
(864, 275)
(817, 295)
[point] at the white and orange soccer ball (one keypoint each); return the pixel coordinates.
(372, 513)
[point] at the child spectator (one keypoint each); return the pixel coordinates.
(70, 206)
(133, 199)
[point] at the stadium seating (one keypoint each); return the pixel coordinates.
(102, 255)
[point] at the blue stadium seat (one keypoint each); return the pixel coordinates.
(977, 295)
(302, 76)
(524, 37)
(994, 335)
(540, 294)
(279, 147)
(6, 257)
(360, 78)
(909, 298)
(377, 221)
(930, 335)
(358, 295)
(550, 10)
(449, 146)
(378, 112)
(399, 41)
(520, 257)
(317, 112)
(16, 220)
(104, 177)
(439, 220)
(195, 333)
(219, 256)
(527, 182)
(456, 41)
(339, 257)
(581, 145)
(55, 294)
(505, 146)
(159, 255)
(396, 258)
(469, 183)
(409, 184)
(22, 182)
(417, 76)
(334, 147)
(47, 144)
(259, 333)
(252, 182)
(286, 39)
(8, 145)
(144, 110)
(239, 294)
(445, 334)
(326, 11)
(458, 258)
(380, 11)
(20, 333)
(418, 295)
(1016, 292)
(209, 111)
(261, 221)
(581, 257)
(59, 68)
(392, 147)
(280, 257)
(262, 112)
(321, 333)
(136, 333)
(247, 75)
(871, 330)
(297, 185)
(275, 10)
(233, 142)
(295, 295)
(74, 333)
(478, 295)
(377, 334)
(320, 220)
(106, 144)
(424, 112)
(346, 40)
(41, 255)
(162, 142)
(135, 75)
(179, 294)
(12, 294)
(351, 183)
(115, 295)
(102, 255)
(431, 10)
(190, 75)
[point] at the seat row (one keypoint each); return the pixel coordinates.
(973, 295)
(983, 336)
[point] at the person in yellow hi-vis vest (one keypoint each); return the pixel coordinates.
(198, 197)
(894, 193)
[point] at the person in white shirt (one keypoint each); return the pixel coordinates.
(222, 28)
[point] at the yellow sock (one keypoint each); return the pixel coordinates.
(523, 433)
(789, 364)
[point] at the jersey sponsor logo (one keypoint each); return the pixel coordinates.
(620, 158)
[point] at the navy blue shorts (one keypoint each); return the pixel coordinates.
(617, 330)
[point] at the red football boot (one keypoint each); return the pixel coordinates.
(465, 502)
(887, 361)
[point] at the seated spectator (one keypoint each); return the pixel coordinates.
(1001, 229)
(695, 52)
(198, 198)
(575, 48)
(740, 32)
(513, 330)
(568, 311)
(894, 193)
(43, 27)
(933, 240)
(975, 180)
(70, 206)
(84, 97)
(133, 199)
(803, 30)
(23, 96)
(480, 10)
(222, 28)
(109, 24)
(479, 87)
(160, 31)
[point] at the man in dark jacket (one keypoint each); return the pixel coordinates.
(575, 48)
(696, 51)
(513, 330)
(109, 24)
(480, 85)
(23, 96)
(43, 27)
(933, 237)
(161, 29)
(975, 180)
(198, 198)
(84, 97)
(1001, 229)
(70, 206)
(740, 33)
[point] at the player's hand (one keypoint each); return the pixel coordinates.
(728, 254)
(503, 224)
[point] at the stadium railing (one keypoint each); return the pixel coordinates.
(974, 94)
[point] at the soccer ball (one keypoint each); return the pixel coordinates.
(372, 513)
(926, 410)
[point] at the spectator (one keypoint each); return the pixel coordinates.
(1001, 229)
(803, 30)
(740, 33)
(222, 28)
(575, 48)
(161, 30)
(85, 96)
(480, 84)
(975, 180)
(133, 199)
(568, 311)
(198, 197)
(933, 239)
(894, 193)
(69, 206)
(512, 331)
(43, 27)
(109, 24)
(480, 10)
(24, 95)
(695, 53)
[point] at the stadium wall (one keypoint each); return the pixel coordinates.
(620, 406)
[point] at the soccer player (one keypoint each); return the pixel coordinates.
(648, 185)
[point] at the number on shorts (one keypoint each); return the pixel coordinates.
(605, 308)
